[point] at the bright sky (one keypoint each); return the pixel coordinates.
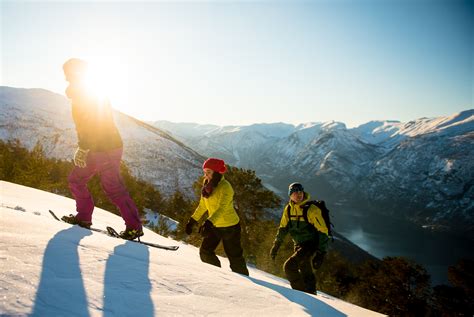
(242, 62)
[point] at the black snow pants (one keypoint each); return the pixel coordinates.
(230, 237)
(298, 267)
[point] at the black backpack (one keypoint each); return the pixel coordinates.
(324, 211)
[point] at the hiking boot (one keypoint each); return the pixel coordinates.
(74, 221)
(131, 234)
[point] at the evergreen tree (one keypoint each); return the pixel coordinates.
(337, 275)
(179, 208)
(162, 227)
(393, 286)
(456, 300)
(462, 275)
(451, 301)
(153, 199)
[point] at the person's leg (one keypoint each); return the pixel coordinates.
(298, 269)
(307, 274)
(233, 248)
(318, 259)
(306, 252)
(77, 181)
(292, 272)
(109, 170)
(208, 248)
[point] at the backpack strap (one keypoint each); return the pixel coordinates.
(305, 210)
(288, 212)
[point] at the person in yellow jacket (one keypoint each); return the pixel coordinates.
(305, 223)
(223, 223)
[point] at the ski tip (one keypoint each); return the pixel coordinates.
(112, 232)
(54, 215)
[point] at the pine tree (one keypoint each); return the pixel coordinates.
(393, 286)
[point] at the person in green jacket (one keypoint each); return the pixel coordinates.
(310, 236)
(223, 223)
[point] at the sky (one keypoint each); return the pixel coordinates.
(62, 270)
(244, 62)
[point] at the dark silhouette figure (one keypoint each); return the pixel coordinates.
(127, 286)
(61, 289)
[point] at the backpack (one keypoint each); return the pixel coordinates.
(324, 211)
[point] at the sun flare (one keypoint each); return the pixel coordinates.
(106, 79)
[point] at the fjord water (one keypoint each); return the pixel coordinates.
(383, 236)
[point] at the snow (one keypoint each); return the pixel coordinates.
(50, 268)
(456, 124)
(154, 219)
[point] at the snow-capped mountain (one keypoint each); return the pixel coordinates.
(421, 170)
(50, 268)
(243, 146)
(32, 115)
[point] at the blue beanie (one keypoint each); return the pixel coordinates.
(295, 187)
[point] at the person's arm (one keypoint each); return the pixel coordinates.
(85, 116)
(80, 124)
(283, 229)
(200, 210)
(315, 217)
(281, 234)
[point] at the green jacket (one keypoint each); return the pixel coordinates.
(300, 230)
(220, 206)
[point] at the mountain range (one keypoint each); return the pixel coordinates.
(420, 170)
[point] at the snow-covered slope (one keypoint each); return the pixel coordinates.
(390, 133)
(33, 115)
(50, 268)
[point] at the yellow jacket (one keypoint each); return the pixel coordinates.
(299, 229)
(315, 217)
(220, 206)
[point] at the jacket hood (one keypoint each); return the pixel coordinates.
(306, 198)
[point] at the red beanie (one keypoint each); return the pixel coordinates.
(215, 164)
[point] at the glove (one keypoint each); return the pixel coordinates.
(190, 225)
(206, 229)
(274, 250)
(80, 157)
(318, 259)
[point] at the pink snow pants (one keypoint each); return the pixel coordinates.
(107, 165)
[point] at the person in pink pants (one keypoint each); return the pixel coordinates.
(99, 151)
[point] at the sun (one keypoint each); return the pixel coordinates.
(106, 78)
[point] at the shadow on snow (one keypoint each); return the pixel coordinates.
(312, 305)
(61, 288)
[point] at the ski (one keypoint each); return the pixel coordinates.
(111, 232)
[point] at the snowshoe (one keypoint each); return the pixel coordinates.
(74, 221)
(131, 234)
